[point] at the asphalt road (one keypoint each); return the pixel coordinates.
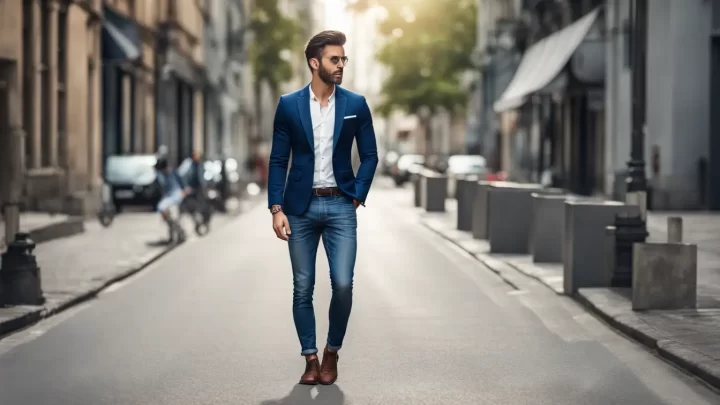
(211, 323)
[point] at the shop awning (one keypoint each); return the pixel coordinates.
(542, 63)
(120, 37)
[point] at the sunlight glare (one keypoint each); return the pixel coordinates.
(336, 15)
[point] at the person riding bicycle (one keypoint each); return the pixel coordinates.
(173, 193)
(196, 175)
(196, 185)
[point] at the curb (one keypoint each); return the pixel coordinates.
(32, 317)
(673, 352)
(16, 324)
(495, 268)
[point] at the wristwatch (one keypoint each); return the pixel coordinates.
(275, 209)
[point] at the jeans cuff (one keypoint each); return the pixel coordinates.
(308, 351)
(333, 347)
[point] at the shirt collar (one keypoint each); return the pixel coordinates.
(330, 99)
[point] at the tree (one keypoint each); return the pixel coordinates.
(427, 52)
(275, 38)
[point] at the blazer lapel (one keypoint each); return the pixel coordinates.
(339, 114)
(305, 118)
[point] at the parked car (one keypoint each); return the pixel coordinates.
(403, 168)
(388, 162)
(132, 180)
(464, 165)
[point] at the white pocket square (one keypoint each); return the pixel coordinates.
(350, 116)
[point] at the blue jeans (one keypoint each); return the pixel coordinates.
(170, 200)
(335, 220)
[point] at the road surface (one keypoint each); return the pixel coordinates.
(211, 323)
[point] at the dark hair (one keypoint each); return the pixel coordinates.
(317, 43)
(161, 163)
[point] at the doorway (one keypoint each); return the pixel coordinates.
(5, 77)
(710, 180)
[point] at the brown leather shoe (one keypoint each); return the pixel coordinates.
(328, 369)
(312, 372)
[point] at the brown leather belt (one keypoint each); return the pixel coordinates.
(327, 191)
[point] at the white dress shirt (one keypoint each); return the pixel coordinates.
(323, 123)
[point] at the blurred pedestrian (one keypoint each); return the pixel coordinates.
(173, 192)
(319, 198)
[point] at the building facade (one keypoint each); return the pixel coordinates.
(569, 112)
(678, 140)
(551, 113)
(50, 120)
(226, 40)
(497, 60)
(128, 85)
(180, 76)
(81, 80)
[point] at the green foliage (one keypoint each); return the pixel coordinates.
(274, 36)
(428, 50)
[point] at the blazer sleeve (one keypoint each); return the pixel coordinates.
(367, 151)
(279, 155)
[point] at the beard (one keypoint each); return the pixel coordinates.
(328, 77)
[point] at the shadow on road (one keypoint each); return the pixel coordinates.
(303, 395)
(158, 243)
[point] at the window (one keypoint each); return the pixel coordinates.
(45, 137)
(62, 38)
(172, 9)
(628, 43)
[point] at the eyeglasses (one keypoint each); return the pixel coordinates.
(336, 60)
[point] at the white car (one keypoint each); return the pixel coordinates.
(464, 165)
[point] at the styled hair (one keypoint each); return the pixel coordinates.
(317, 43)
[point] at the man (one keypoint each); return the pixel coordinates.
(195, 176)
(196, 187)
(173, 192)
(321, 194)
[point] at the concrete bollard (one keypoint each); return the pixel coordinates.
(610, 249)
(465, 196)
(548, 224)
(548, 220)
(665, 274)
(510, 216)
(585, 237)
(417, 190)
(434, 191)
(480, 208)
(675, 230)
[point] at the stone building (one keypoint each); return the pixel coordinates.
(128, 86)
(682, 144)
(180, 75)
(84, 79)
(227, 101)
(49, 112)
(153, 76)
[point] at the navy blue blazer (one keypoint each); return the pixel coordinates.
(292, 131)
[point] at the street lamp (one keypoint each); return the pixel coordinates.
(424, 113)
(631, 229)
(166, 99)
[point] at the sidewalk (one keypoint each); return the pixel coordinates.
(688, 338)
(44, 227)
(77, 268)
